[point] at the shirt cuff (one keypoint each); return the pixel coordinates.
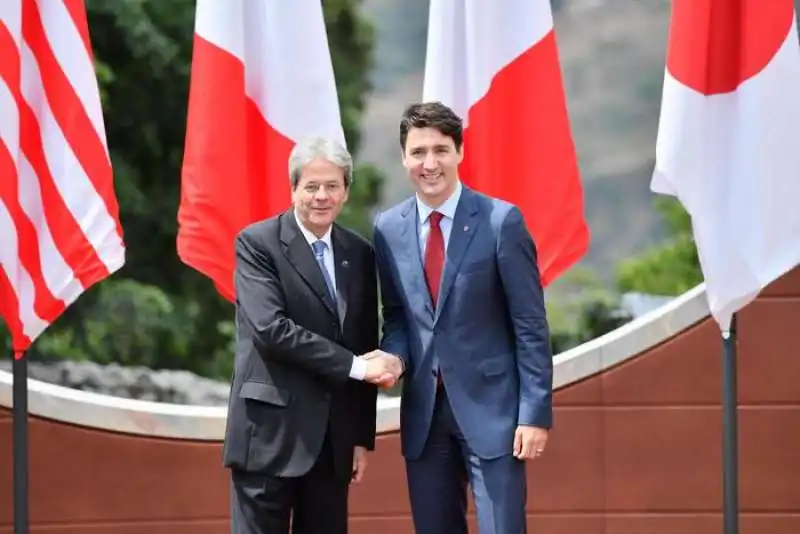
(359, 368)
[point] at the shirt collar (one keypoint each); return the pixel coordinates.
(448, 207)
(311, 238)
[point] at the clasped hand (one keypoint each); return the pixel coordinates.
(383, 369)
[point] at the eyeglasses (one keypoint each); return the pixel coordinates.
(331, 188)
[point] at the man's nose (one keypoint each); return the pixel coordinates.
(430, 161)
(321, 193)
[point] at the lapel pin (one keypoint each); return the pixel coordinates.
(345, 263)
(466, 228)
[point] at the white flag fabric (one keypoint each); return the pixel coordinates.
(728, 144)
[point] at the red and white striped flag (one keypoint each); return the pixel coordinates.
(728, 141)
(496, 64)
(261, 80)
(59, 221)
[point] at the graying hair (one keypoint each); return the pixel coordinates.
(307, 150)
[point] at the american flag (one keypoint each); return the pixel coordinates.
(59, 219)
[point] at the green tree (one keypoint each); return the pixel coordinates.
(582, 310)
(157, 311)
(670, 268)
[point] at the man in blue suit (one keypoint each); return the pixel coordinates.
(464, 312)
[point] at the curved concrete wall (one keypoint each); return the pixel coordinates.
(636, 448)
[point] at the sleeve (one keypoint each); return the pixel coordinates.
(368, 393)
(519, 272)
(395, 330)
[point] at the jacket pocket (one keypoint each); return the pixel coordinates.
(265, 393)
(492, 367)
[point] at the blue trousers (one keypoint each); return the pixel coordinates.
(438, 480)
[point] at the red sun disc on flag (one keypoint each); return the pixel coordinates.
(716, 45)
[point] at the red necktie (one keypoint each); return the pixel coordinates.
(434, 255)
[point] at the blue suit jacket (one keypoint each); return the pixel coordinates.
(489, 330)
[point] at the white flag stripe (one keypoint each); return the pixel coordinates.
(21, 283)
(74, 186)
(76, 64)
(58, 276)
(446, 80)
(474, 56)
(260, 34)
(214, 21)
(9, 124)
(307, 83)
(11, 17)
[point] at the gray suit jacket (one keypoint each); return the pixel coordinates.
(293, 353)
(489, 330)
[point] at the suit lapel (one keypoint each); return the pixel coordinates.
(415, 271)
(465, 225)
(299, 254)
(341, 254)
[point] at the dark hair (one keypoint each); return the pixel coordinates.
(432, 115)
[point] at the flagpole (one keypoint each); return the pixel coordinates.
(730, 454)
(20, 426)
(730, 433)
(797, 16)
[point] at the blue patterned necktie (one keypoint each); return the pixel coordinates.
(319, 253)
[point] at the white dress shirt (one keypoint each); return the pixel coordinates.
(447, 209)
(359, 368)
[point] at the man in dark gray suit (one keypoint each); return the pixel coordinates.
(464, 310)
(301, 415)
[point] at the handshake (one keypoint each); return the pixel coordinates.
(383, 369)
